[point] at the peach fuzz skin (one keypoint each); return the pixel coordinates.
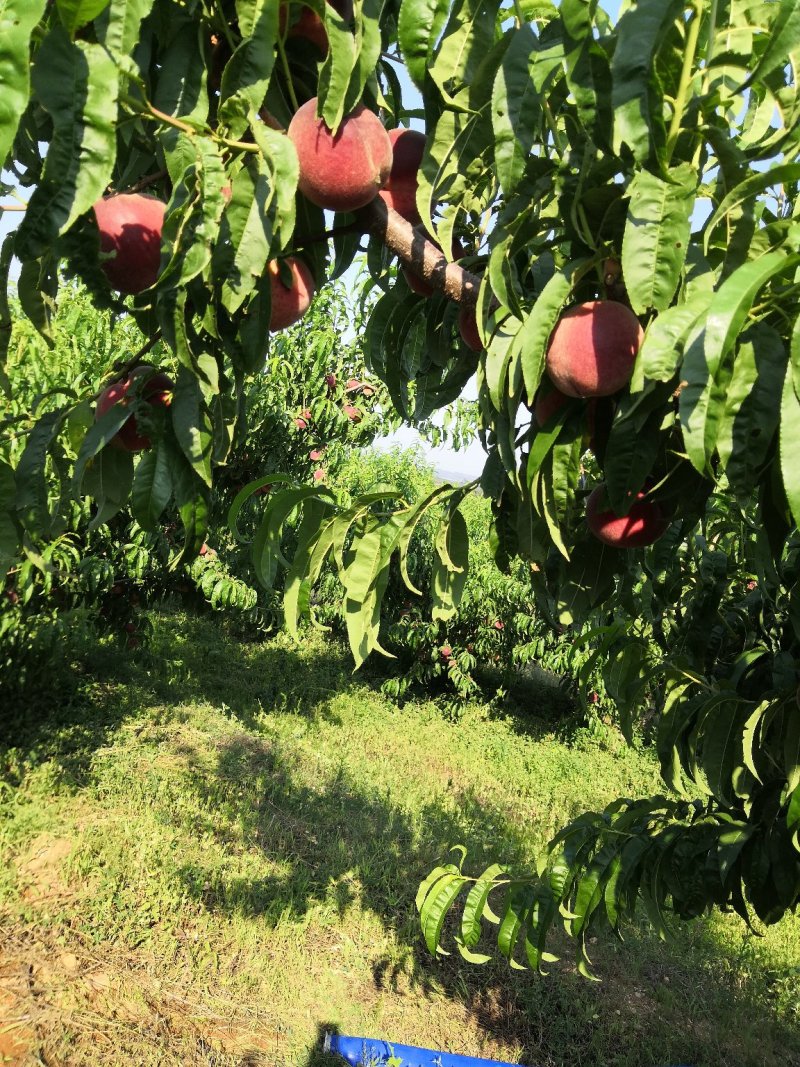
(342, 171)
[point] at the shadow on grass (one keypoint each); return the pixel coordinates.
(342, 841)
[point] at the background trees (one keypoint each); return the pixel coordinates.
(578, 172)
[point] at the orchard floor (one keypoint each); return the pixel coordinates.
(209, 853)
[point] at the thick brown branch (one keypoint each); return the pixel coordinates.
(419, 253)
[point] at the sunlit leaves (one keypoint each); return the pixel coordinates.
(76, 13)
(420, 25)
(518, 102)
(17, 21)
(76, 82)
(657, 236)
(638, 107)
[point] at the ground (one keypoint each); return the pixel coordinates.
(209, 852)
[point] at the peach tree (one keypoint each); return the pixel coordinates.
(597, 223)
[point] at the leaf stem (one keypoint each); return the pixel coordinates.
(287, 74)
(170, 120)
(225, 27)
(551, 122)
(685, 83)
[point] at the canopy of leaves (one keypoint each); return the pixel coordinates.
(653, 163)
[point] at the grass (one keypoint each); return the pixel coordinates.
(209, 854)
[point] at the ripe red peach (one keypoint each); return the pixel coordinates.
(400, 191)
(307, 25)
(130, 226)
(157, 391)
(289, 303)
(547, 402)
(593, 348)
(468, 328)
(644, 523)
(341, 171)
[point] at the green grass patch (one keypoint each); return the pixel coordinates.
(210, 853)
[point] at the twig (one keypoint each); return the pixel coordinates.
(149, 179)
(303, 240)
(134, 361)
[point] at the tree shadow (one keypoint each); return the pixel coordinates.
(343, 839)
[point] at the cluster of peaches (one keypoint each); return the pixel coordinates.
(592, 348)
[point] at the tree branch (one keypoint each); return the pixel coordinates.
(419, 253)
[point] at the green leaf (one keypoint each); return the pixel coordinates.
(436, 904)
(315, 531)
(281, 155)
(77, 83)
(152, 485)
(17, 21)
(635, 96)
(120, 26)
(723, 720)
(750, 187)
(450, 567)
(524, 74)
(404, 539)
(181, 88)
(468, 37)
(784, 41)
(476, 903)
(588, 73)
(36, 290)
(791, 745)
(192, 425)
(246, 77)
(516, 913)
(191, 223)
(266, 552)
(790, 444)
(107, 480)
(32, 496)
(76, 13)
(656, 238)
(9, 531)
(664, 338)
(706, 368)
(419, 27)
(193, 500)
(750, 417)
(337, 71)
(97, 437)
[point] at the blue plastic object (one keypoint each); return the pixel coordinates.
(366, 1052)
